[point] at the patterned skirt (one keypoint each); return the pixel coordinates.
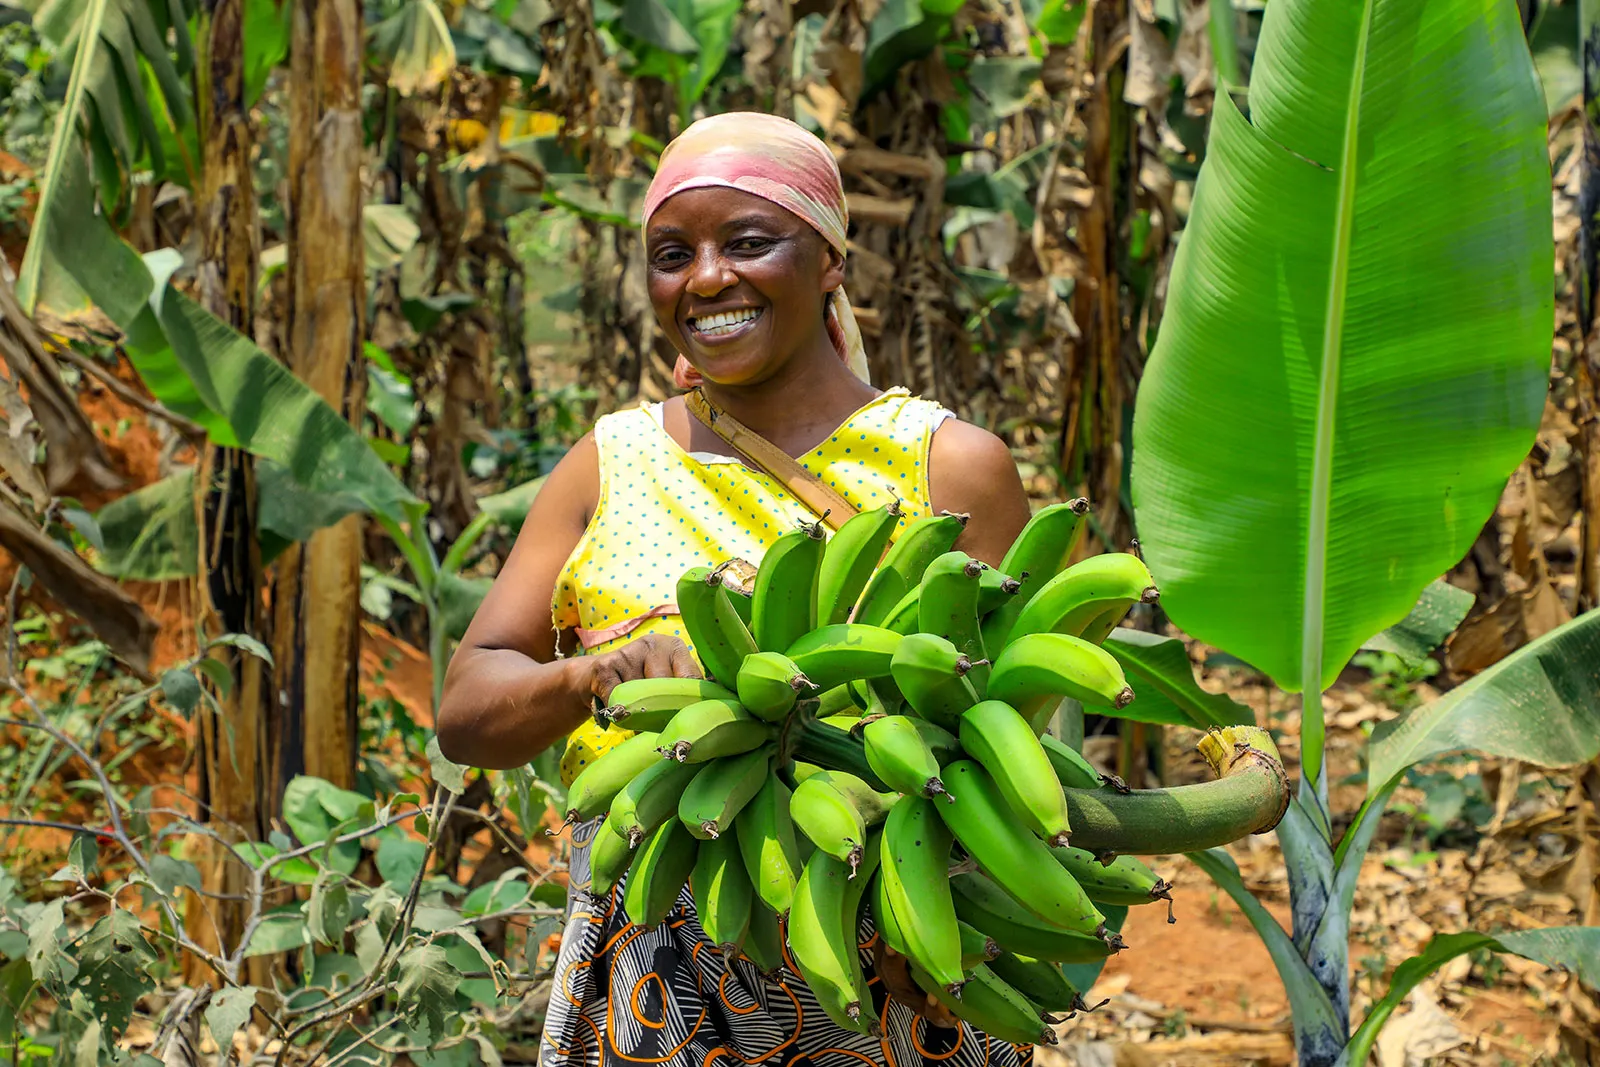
(624, 994)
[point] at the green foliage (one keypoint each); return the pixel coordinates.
(1393, 679)
(92, 957)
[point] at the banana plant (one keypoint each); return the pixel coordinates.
(1352, 362)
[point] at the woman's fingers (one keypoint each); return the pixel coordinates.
(657, 656)
(683, 662)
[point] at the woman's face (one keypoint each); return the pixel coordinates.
(738, 282)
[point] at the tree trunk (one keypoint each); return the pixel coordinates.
(237, 785)
(1586, 367)
(1091, 443)
(317, 584)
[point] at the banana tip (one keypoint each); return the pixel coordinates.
(853, 1010)
(954, 988)
(710, 829)
(1048, 1036)
(1124, 698)
(1079, 505)
(635, 835)
(991, 948)
(1150, 595)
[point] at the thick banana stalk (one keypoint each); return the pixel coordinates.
(828, 746)
(1249, 797)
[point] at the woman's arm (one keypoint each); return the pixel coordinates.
(506, 696)
(971, 470)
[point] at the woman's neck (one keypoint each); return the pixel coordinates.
(800, 405)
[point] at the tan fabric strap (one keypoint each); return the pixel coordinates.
(823, 501)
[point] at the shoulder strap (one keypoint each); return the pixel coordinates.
(820, 499)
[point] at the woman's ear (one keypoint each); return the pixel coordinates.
(832, 268)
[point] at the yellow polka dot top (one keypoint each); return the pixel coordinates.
(663, 510)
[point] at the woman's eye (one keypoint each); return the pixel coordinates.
(752, 244)
(670, 257)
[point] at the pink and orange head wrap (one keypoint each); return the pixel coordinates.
(777, 160)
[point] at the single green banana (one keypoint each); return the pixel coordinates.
(1042, 550)
(1002, 741)
(1125, 880)
(906, 615)
(990, 1005)
(835, 809)
(659, 871)
(823, 943)
(722, 892)
(834, 655)
(649, 703)
(1041, 981)
(710, 729)
(650, 799)
(898, 753)
(721, 790)
(918, 545)
(1087, 599)
(743, 606)
(981, 902)
(850, 558)
(931, 672)
(784, 605)
(976, 946)
(763, 941)
(1068, 763)
(883, 914)
(995, 588)
(721, 639)
(984, 824)
(915, 869)
(767, 842)
(948, 608)
(599, 783)
(1036, 670)
(769, 684)
(610, 853)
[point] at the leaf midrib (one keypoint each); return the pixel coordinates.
(89, 45)
(1316, 565)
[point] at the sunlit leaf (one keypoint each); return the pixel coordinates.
(1540, 705)
(1325, 423)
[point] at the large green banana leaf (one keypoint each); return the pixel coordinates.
(1354, 353)
(105, 41)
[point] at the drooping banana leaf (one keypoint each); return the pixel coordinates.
(1354, 352)
(1572, 948)
(104, 41)
(1540, 705)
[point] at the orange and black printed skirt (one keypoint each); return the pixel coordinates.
(625, 994)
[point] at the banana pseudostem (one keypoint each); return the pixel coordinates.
(1250, 795)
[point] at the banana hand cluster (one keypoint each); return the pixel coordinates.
(870, 733)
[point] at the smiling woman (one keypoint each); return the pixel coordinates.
(745, 229)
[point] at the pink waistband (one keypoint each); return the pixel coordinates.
(590, 638)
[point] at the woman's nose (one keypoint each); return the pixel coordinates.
(710, 273)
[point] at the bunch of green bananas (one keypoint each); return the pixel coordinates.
(871, 732)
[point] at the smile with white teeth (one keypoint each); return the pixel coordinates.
(725, 322)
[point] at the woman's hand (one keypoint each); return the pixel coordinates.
(651, 656)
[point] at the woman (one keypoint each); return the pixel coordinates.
(744, 229)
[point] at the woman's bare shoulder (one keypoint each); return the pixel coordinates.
(971, 470)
